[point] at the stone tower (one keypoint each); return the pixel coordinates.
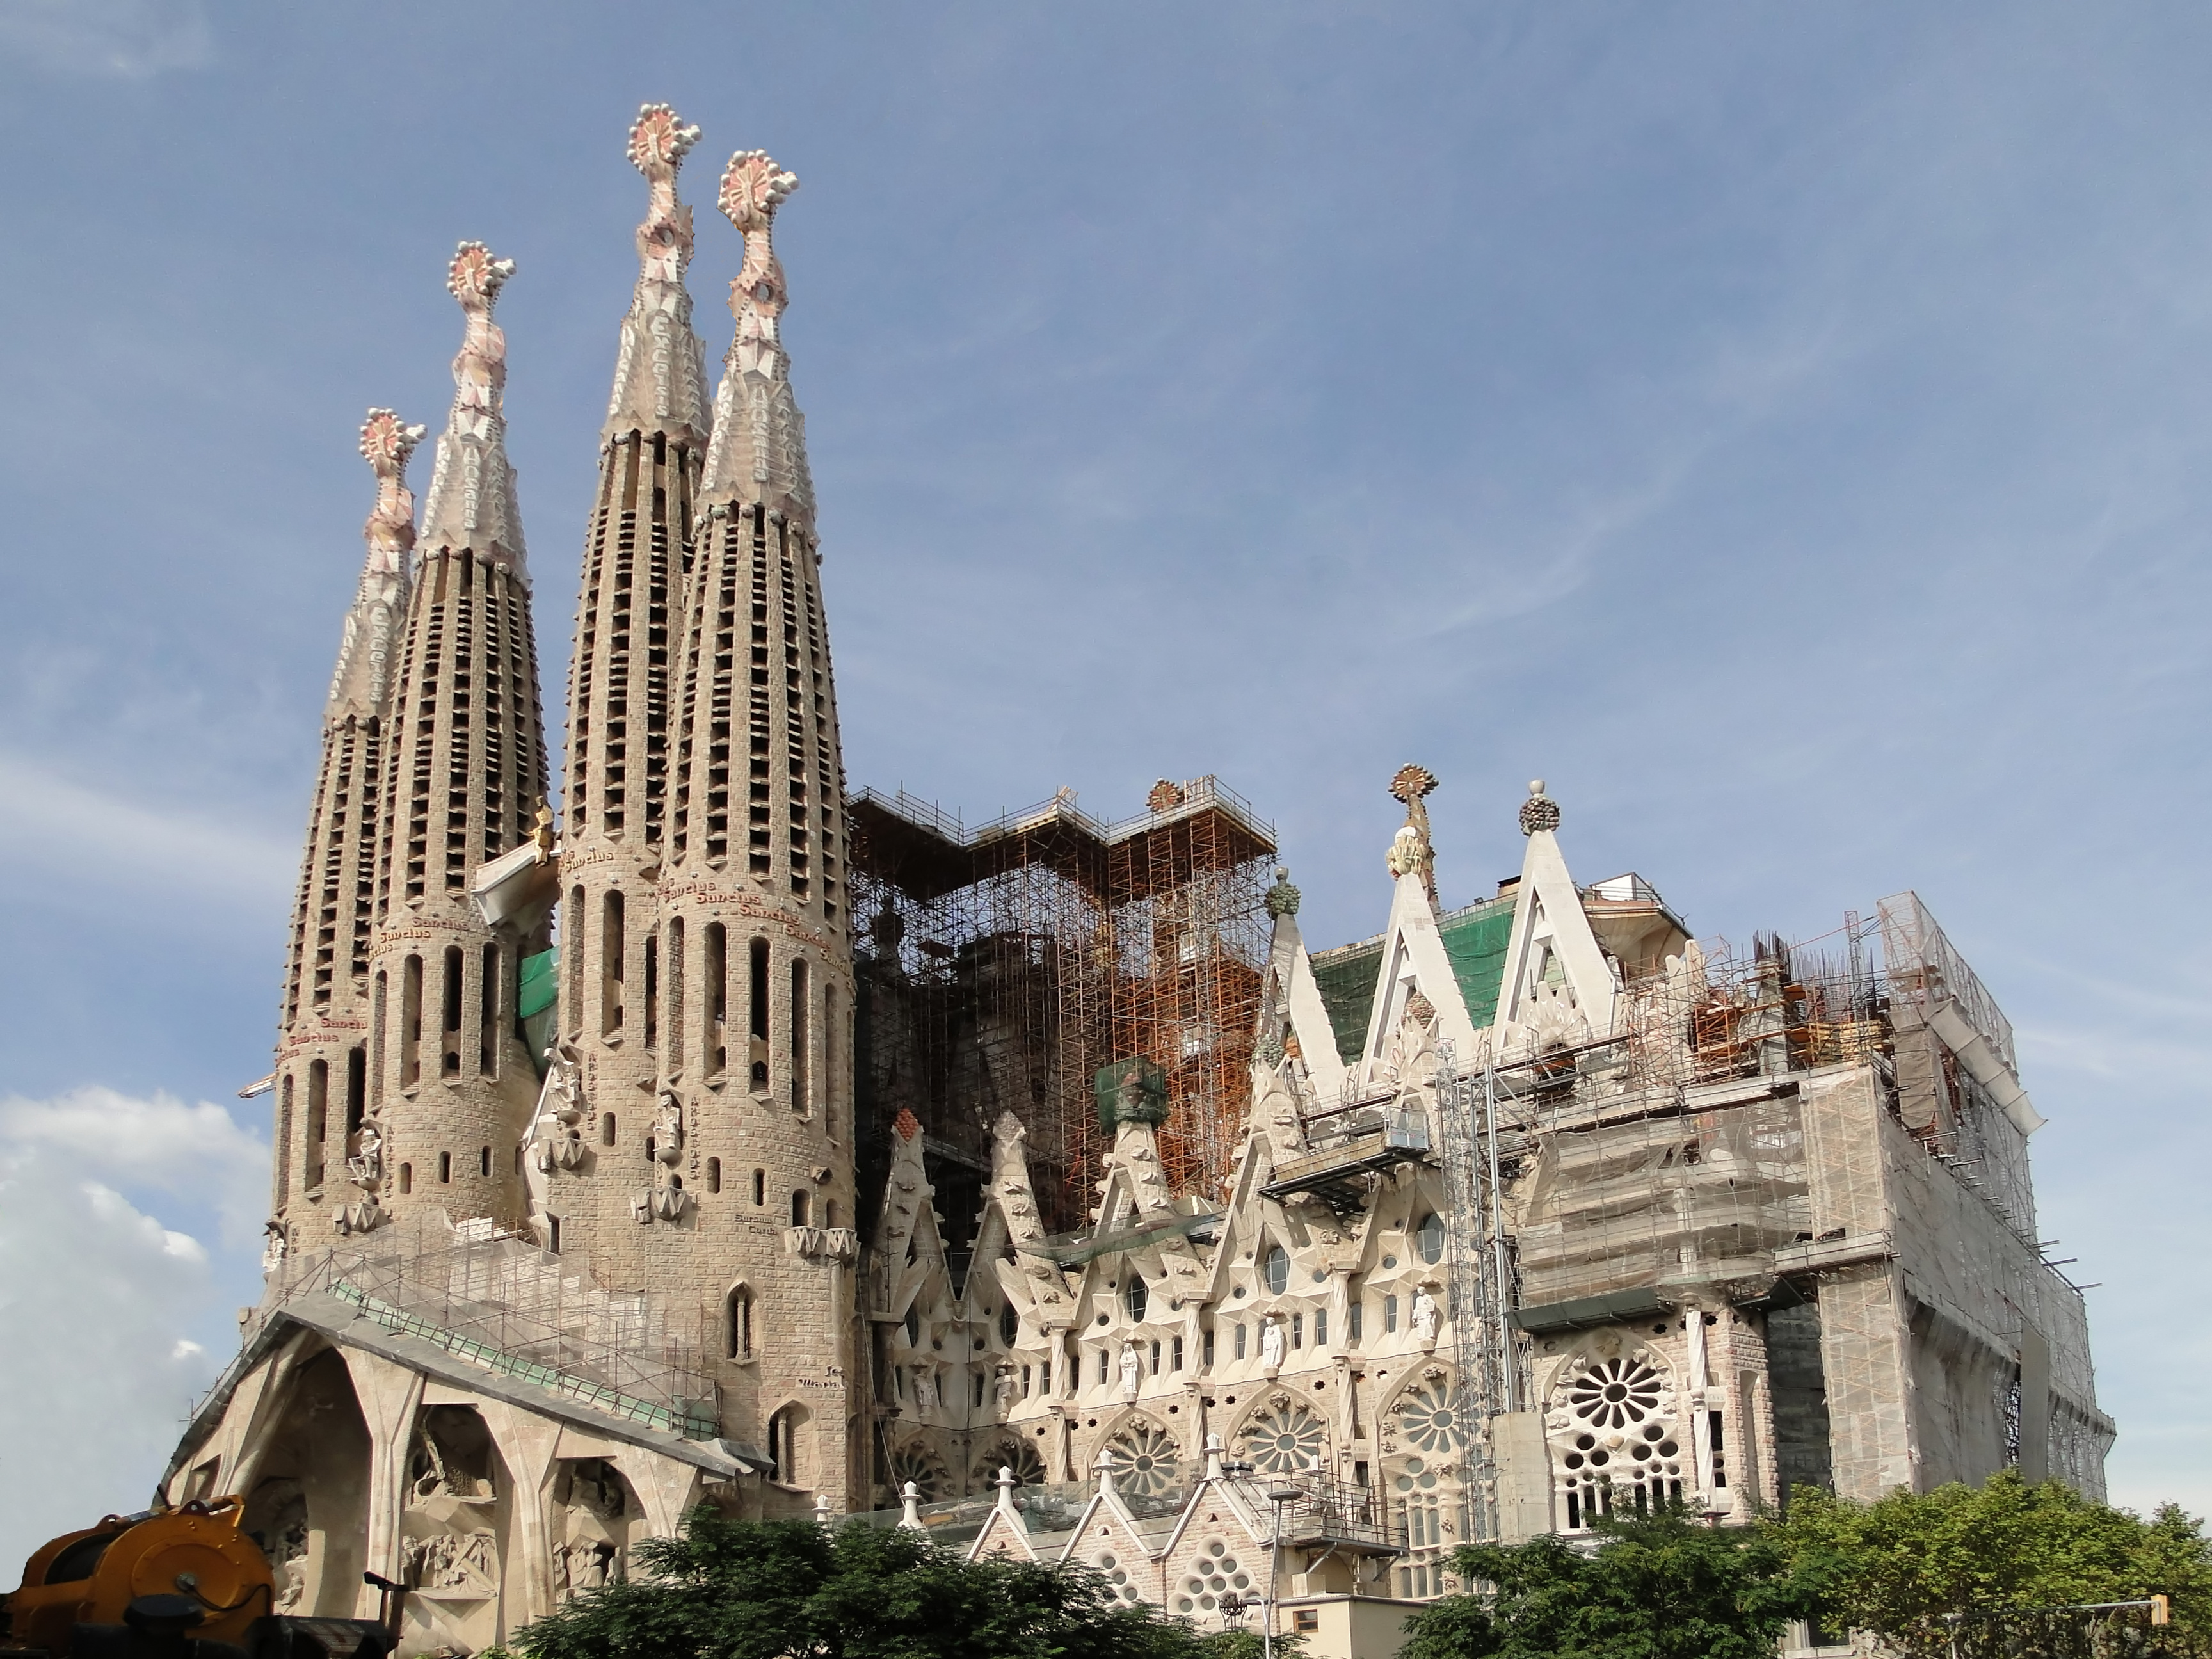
(757, 1059)
(322, 1074)
(451, 1085)
(637, 548)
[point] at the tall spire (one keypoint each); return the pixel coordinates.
(362, 682)
(660, 378)
(451, 1085)
(321, 1075)
(471, 501)
(758, 453)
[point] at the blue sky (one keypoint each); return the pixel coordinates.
(1783, 428)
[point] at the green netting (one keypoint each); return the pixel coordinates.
(1476, 941)
(537, 983)
(1346, 984)
(1133, 1091)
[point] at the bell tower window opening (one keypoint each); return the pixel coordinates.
(611, 962)
(410, 1022)
(714, 996)
(757, 989)
(449, 1024)
(800, 1102)
(318, 1094)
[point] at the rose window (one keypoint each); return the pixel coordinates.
(1213, 1576)
(916, 1462)
(1282, 1439)
(1428, 1417)
(1615, 1394)
(1023, 1459)
(1146, 1462)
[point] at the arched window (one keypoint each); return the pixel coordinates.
(802, 1207)
(445, 1167)
(1134, 1297)
(739, 1332)
(788, 1446)
(1010, 1325)
(483, 1162)
(1429, 1237)
(714, 1175)
(760, 1188)
(1276, 1270)
(606, 1128)
(407, 1177)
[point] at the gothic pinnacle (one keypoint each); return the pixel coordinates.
(362, 683)
(660, 377)
(471, 500)
(758, 452)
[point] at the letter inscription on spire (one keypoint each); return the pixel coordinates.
(660, 377)
(758, 452)
(362, 685)
(472, 503)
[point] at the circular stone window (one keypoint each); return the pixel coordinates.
(1615, 1394)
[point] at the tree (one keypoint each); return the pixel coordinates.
(1655, 1588)
(737, 1590)
(1910, 1565)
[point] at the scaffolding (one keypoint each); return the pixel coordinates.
(1003, 968)
(499, 1303)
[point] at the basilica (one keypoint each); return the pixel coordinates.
(736, 1136)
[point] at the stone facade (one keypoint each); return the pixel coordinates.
(1520, 1213)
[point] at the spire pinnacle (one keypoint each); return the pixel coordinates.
(660, 378)
(758, 452)
(472, 502)
(1411, 850)
(362, 683)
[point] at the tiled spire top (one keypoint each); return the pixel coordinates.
(387, 445)
(661, 378)
(472, 503)
(759, 448)
(362, 683)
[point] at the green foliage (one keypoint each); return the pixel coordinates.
(1245, 1644)
(1660, 1588)
(735, 1589)
(1906, 1565)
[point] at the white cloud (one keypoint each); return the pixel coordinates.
(58, 827)
(194, 1153)
(96, 1375)
(127, 39)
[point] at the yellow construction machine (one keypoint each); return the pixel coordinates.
(176, 1583)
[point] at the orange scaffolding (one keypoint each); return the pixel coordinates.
(1003, 968)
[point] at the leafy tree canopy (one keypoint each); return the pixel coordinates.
(1656, 1588)
(1906, 1565)
(737, 1589)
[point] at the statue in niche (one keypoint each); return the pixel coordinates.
(274, 1247)
(1270, 1344)
(1006, 1389)
(366, 1166)
(1427, 1316)
(925, 1389)
(668, 1129)
(283, 1540)
(1132, 1370)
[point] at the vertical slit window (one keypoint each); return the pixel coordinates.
(758, 989)
(610, 963)
(652, 988)
(444, 1168)
(572, 954)
(410, 1022)
(799, 1099)
(449, 1033)
(357, 1089)
(676, 994)
(491, 986)
(714, 996)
